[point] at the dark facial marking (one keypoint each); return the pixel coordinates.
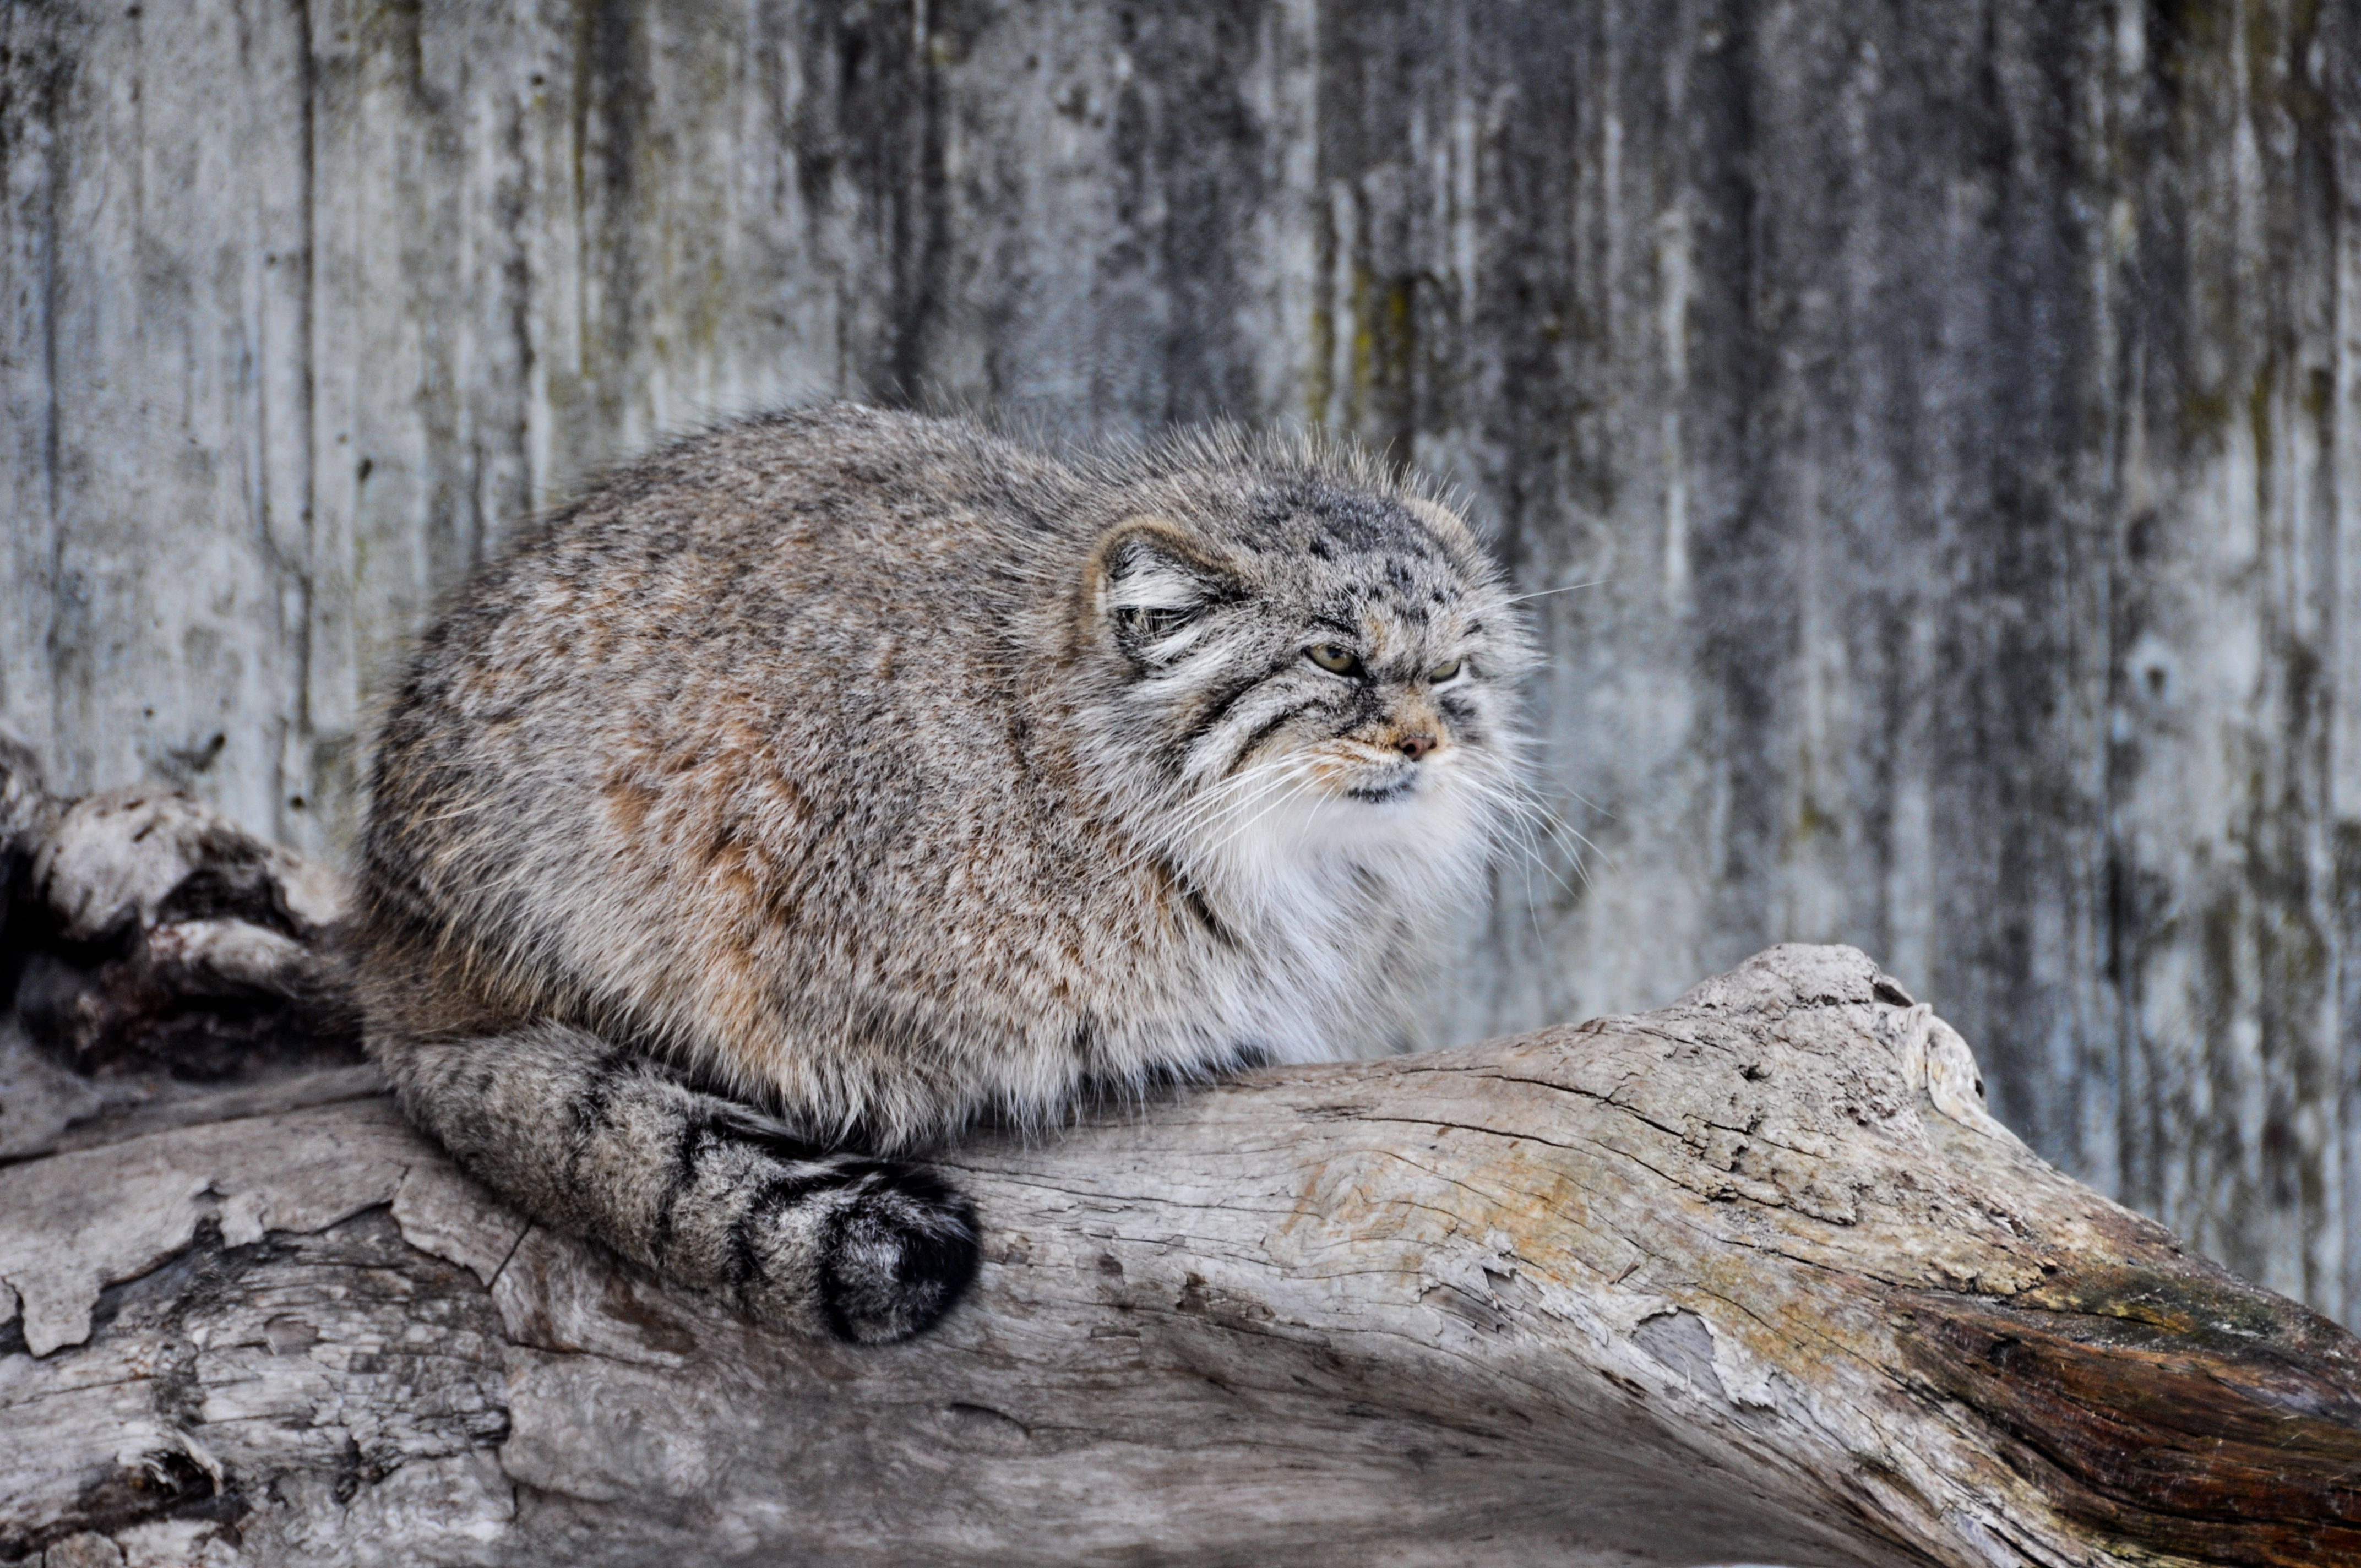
(1369, 706)
(1264, 730)
(1236, 694)
(1194, 902)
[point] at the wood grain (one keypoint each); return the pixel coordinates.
(1726, 1281)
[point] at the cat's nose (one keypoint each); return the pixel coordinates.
(1415, 747)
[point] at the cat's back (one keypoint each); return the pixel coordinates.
(723, 693)
(844, 518)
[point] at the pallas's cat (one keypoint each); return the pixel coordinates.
(822, 784)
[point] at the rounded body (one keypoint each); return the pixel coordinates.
(877, 773)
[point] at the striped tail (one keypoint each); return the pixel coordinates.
(599, 1141)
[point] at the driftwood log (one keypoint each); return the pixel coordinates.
(1753, 1278)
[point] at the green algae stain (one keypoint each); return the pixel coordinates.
(2319, 397)
(1382, 359)
(1363, 375)
(2258, 426)
(1320, 384)
(2204, 416)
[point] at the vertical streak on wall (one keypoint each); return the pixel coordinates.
(2222, 759)
(276, 52)
(37, 77)
(2338, 80)
(170, 289)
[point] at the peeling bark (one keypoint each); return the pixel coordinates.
(160, 956)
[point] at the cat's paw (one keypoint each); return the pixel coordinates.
(899, 1252)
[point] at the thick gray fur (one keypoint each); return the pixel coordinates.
(824, 782)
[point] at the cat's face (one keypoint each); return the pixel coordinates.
(1320, 669)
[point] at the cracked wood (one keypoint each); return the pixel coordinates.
(1753, 1276)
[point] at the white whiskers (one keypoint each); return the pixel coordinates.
(1570, 588)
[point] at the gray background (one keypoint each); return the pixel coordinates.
(1957, 404)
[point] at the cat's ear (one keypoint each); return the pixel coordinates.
(1153, 586)
(1448, 525)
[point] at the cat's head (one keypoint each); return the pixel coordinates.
(1309, 664)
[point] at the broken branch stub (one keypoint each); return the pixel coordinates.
(152, 953)
(1753, 1278)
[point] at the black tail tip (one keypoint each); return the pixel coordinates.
(901, 1256)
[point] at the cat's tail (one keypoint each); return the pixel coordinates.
(600, 1142)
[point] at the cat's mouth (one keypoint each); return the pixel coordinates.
(1400, 787)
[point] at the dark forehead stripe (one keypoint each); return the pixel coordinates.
(1398, 593)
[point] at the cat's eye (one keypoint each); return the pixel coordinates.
(1446, 671)
(1335, 657)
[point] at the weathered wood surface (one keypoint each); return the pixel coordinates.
(1754, 1276)
(214, 1347)
(1308, 1317)
(1958, 406)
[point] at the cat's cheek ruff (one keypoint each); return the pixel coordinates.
(1286, 851)
(1244, 740)
(1241, 726)
(1200, 692)
(1157, 655)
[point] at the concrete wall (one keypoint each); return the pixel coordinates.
(1956, 406)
